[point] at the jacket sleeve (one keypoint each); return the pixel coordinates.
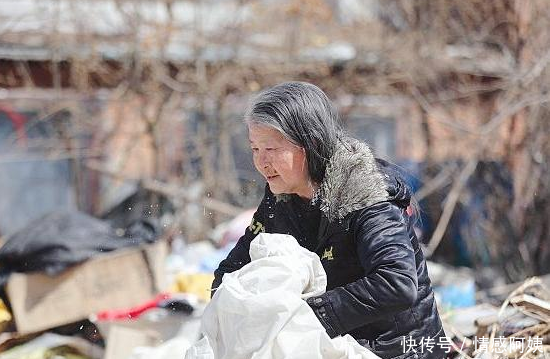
(390, 284)
(239, 255)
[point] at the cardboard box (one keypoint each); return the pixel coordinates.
(116, 280)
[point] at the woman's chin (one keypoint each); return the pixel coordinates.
(275, 189)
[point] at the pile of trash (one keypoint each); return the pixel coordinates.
(73, 286)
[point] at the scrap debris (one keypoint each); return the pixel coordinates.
(520, 329)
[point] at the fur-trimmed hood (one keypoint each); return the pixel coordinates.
(355, 179)
(352, 180)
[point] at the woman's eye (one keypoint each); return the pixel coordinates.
(254, 149)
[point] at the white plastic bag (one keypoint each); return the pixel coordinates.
(258, 311)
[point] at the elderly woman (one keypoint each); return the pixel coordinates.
(329, 192)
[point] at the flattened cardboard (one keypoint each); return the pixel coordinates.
(115, 280)
(122, 341)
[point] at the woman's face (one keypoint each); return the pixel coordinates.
(282, 163)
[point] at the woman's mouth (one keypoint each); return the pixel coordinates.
(269, 178)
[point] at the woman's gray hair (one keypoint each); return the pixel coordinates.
(305, 116)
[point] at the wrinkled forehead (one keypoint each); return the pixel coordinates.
(262, 134)
(266, 136)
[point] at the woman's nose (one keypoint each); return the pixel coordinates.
(264, 159)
